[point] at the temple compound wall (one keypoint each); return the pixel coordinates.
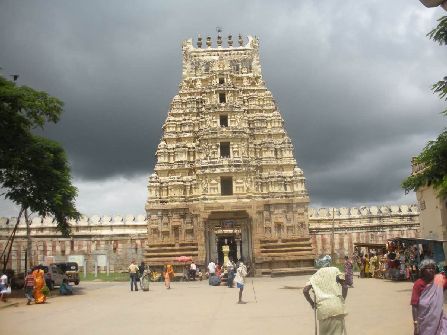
(94, 240)
(122, 239)
(373, 224)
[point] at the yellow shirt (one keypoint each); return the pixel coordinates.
(133, 268)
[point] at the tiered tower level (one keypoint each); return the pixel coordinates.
(225, 171)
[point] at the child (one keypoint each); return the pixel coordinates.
(29, 286)
(65, 289)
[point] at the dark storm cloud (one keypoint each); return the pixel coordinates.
(351, 79)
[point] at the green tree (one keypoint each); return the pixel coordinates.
(34, 172)
(433, 157)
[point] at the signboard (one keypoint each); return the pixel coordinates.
(101, 260)
(77, 259)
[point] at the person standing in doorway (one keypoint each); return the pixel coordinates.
(241, 272)
(133, 272)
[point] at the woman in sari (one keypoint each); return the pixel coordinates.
(39, 283)
(427, 301)
(366, 265)
(348, 272)
(169, 274)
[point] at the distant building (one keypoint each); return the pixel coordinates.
(225, 171)
(433, 211)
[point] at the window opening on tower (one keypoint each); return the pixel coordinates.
(223, 120)
(222, 98)
(226, 185)
(225, 149)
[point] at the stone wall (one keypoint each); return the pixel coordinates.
(123, 239)
(373, 224)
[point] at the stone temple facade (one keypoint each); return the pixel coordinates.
(225, 171)
(120, 239)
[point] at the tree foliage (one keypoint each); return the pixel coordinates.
(434, 160)
(34, 172)
(433, 157)
(439, 34)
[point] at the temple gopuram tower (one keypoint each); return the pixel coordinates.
(225, 171)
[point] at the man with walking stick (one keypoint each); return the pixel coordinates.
(330, 293)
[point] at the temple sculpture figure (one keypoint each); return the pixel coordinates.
(225, 171)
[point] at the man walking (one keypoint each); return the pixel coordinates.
(211, 271)
(330, 291)
(230, 272)
(133, 271)
(241, 272)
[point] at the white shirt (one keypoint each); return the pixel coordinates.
(241, 272)
(4, 279)
(212, 267)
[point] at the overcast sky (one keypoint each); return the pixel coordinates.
(352, 80)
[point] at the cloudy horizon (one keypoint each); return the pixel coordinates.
(352, 81)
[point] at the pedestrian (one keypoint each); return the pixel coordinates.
(367, 273)
(427, 301)
(65, 288)
(133, 272)
(348, 272)
(241, 272)
(230, 272)
(39, 284)
(192, 271)
(168, 275)
(141, 268)
(211, 271)
(373, 262)
(330, 292)
(29, 286)
(3, 281)
(5, 289)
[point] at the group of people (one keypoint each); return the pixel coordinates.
(233, 273)
(330, 289)
(34, 286)
(395, 265)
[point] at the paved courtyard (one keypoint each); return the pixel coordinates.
(274, 306)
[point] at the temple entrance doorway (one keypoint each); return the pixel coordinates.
(230, 229)
(234, 243)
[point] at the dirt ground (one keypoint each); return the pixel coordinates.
(274, 306)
